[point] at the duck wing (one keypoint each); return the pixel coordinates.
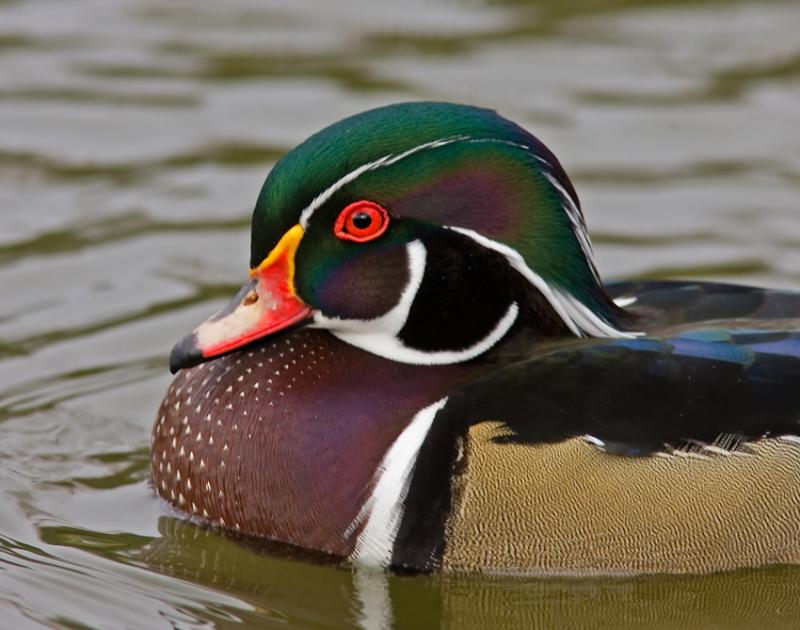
(662, 304)
(699, 390)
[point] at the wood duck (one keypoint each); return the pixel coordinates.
(425, 372)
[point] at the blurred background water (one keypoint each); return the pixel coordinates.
(134, 137)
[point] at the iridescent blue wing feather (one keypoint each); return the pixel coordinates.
(640, 396)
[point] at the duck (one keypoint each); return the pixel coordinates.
(424, 372)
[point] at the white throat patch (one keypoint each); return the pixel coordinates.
(380, 335)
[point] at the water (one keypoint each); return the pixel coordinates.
(134, 136)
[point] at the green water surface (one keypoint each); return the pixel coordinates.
(134, 137)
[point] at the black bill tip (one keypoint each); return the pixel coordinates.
(185, 354)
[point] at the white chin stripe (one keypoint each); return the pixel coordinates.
(383, 510)
(380, 335)
(579, 318)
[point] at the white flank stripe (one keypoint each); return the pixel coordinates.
(383, 510)
(580, 319)
(594, 440)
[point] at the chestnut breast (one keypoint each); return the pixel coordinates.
(282, 440)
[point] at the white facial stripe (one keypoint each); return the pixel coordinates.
(624, 302)
(391, 323)
(587, 320)
(386, 160)
(576, 316)
(578, 225)
(380, 335)
(391, 347)
(510, 143)
(383, 510)
(328, 192)
(428, 145)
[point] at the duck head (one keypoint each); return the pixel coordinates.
(420, 232)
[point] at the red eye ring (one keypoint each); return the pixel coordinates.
(361, 221)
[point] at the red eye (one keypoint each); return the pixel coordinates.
(361, 221)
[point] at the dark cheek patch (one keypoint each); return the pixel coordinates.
(465, 292)
(364, 286)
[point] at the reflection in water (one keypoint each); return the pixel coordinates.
(372, 591)
(134, 137)
(275, 590)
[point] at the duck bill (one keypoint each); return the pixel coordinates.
(266, 304)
